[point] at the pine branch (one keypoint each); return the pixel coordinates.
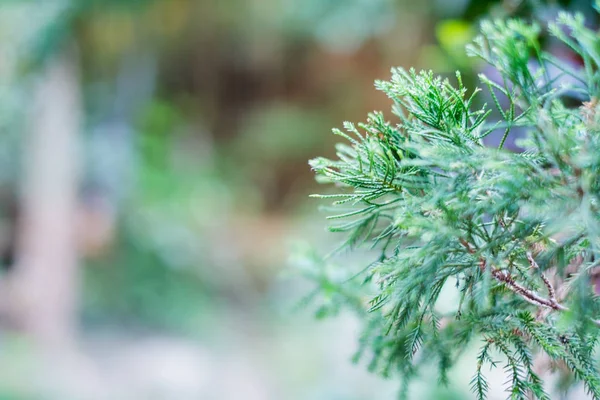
(439, 207)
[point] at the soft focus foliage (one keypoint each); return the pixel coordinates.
(197, 118)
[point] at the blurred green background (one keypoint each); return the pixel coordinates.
(154, 183)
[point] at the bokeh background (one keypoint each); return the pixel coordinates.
(154, 211)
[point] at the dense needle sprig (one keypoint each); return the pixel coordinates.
(516, 234)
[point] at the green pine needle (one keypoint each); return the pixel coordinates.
(516, 235)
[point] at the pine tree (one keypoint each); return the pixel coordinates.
(516, 234)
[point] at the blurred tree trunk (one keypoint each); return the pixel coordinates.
(44, 285)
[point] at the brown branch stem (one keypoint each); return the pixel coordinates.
(528, 295)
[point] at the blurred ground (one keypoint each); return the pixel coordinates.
(154, 178)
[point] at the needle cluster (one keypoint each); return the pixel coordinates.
(513, 236)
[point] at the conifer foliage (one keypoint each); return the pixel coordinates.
(515, 234)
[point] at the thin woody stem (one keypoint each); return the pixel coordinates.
(534, 265)
(528, 295)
